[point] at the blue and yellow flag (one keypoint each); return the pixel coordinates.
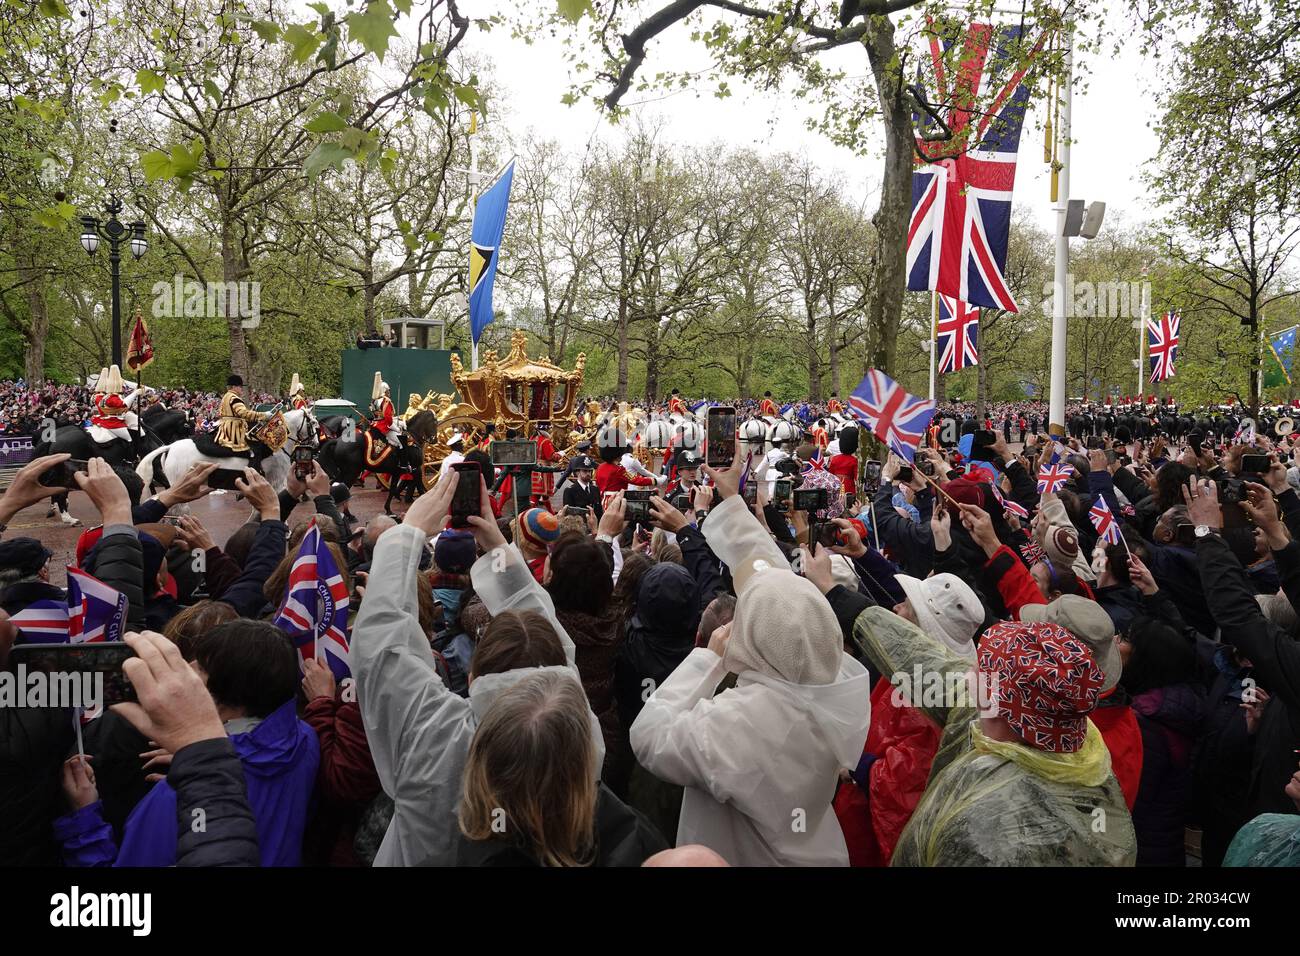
(1282, 346)
(485, 246)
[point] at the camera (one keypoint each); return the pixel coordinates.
(513, 452)
(787, 467)
(926, 466)
(637, 504)
(750, 494)
(905, 474)
(302, 459)
(781, 494)
(681, 501)
(811, 499)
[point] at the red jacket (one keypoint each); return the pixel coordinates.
(614, 477)
(845, 468)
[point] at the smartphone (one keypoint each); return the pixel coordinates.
(505, 453)
(781, 494)
(750, 494)
(465, 500)
(574, 510)
(905, 473)
(872, 471)
(1254, 464)
(225, 478)
(828, 535)
(637, 505)
(811, 499)
(302, 457)
(1194, 440)
(682, 502)
(926, 466)
(101, 661)
(720, 436)
(1185, 535)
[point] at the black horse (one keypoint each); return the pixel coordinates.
(160, 427)
(344, 461)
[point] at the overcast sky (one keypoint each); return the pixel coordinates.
(1111, 116)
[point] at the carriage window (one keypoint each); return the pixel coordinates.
(539, 409)
(559, 394)
(515, 398)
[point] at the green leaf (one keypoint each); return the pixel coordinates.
(403, 6)
(326, 122)
(268, 31)
(323, 157)
(212, 91)
(149, 81)
(55, 9)
(303, 42)
(373, 27)
(156, 165)
(573, 10)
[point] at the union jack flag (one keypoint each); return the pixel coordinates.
(895, 417)
(957, 333)
(816, 461)
(94, 613)
(1103, 519)
(961, 188)
(1162, 342)
(315, 608)
(1009, 506)
(1053, 476)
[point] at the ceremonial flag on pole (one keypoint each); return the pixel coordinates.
(1103, 519)
(961, 187)
(957, 334)
(315, 608)
(1162, 344)
(485, 247)
(140, 352)
(1281, 345)
(93, 613)
(896, 417)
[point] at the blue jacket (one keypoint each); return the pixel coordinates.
(280, 757)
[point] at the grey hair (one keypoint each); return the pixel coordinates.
(1278, 611)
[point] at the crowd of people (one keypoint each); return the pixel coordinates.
(25, 407)
(950, 661)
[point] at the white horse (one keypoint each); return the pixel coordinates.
(177, 458)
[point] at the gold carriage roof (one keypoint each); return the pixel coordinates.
(517, 366)
(518, 390)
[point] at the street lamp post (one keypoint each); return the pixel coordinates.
(115, 233)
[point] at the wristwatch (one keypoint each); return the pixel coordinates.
(1204, 531)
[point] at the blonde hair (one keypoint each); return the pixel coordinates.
(532, 770)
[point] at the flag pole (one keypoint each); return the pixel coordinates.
(934, 325)
(1060, 303)
(474, 178)
(1142, 336)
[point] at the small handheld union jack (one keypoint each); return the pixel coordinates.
(1103, 519)
(1053, 476)
(895, 417)
(315, 608)
(1008, 505)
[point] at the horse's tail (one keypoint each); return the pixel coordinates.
(146, 469)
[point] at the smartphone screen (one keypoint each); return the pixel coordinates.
(1255, 464)
(224, 478)
(465, 500)
(721, 437)
(101, 661)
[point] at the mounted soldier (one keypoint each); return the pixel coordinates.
(232, 439)
(297, 394)
(109, 421)
(382, 418)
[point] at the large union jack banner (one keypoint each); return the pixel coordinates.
(1162, 342)
(957, 333)
(961, 189)
(896, 417)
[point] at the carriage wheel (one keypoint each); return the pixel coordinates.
(435, 451)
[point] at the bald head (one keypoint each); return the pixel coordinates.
(374, 528)
(690, 855)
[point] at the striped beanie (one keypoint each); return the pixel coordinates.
(538, 528)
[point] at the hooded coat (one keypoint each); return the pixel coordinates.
(990, 803)
(418, 730)
(760, 762)
(280, 757)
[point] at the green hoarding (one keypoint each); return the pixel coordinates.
(405, 370)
